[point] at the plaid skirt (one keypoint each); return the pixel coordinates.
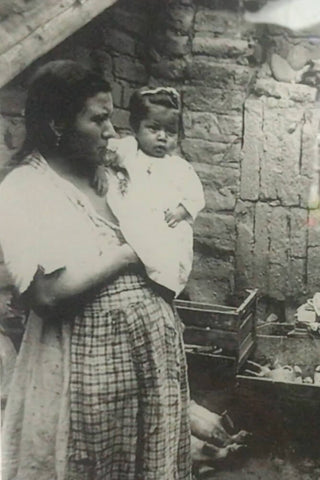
(129, 395)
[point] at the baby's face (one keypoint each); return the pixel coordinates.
(157, 134)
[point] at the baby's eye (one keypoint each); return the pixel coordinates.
(171, 132)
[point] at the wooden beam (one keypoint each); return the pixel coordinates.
(29, 34)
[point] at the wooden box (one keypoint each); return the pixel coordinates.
(280, 342)
(270, 402)
(231, 329)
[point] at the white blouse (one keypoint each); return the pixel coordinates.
(46, 222)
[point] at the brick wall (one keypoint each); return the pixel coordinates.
(249, 129)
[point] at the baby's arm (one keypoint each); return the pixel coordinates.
(100, 180)
(113, 162)
(189, 188)
(175, 216)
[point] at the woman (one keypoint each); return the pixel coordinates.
(100, 388)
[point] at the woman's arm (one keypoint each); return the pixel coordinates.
(49, 291)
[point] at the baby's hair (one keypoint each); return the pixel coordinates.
(142, 100)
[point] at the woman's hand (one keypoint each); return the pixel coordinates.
(78, 277)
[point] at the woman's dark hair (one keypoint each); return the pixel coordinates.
(143, 99)
(57, 92)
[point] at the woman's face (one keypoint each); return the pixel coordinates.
(87, 140)
(158, 133)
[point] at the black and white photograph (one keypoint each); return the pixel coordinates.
(160, 239)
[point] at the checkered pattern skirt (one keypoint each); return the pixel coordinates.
(129, 392)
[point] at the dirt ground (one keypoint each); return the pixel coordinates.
(269, 469)
(285, 437)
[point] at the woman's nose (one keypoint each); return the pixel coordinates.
(108, 131)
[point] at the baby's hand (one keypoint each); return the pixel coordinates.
(175, 216)
(112, 159)
(100, 181)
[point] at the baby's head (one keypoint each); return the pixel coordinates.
(154, 118)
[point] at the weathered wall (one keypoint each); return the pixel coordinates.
(278, 236)
(250, 130)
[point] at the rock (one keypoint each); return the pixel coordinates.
(260, 264)
(216, 231)
(180, 19)
(298, 232)
(169, 69)
(117, 94)
(313, 268)
(213, 153)
(131, 69)
(284, 91)
(283, 72)
(252, 150)
(227, 48)
(216, 21)
(132, 22)
(217, 75)
(170, 44)
(297, 287)
(211, 277)
(212, 127)
(279, 236)
(207, 99)
(120, 118)
(119, 41)
(298, 56)
(245, 240)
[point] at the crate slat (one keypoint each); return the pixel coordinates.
(231, 328)
(201, 336)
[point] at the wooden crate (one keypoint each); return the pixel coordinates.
(277, 408)
(233, 329)
(280, 342)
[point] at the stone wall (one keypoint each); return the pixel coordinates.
(279, 159)
(277, 213)
(249, 128)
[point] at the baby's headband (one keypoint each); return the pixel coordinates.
(172, 92)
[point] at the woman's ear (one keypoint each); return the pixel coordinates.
(56, 127)
(57, 130)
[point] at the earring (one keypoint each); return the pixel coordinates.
(58, 139)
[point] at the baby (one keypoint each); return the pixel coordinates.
(155, 194)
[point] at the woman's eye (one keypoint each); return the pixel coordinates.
(99, 120)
